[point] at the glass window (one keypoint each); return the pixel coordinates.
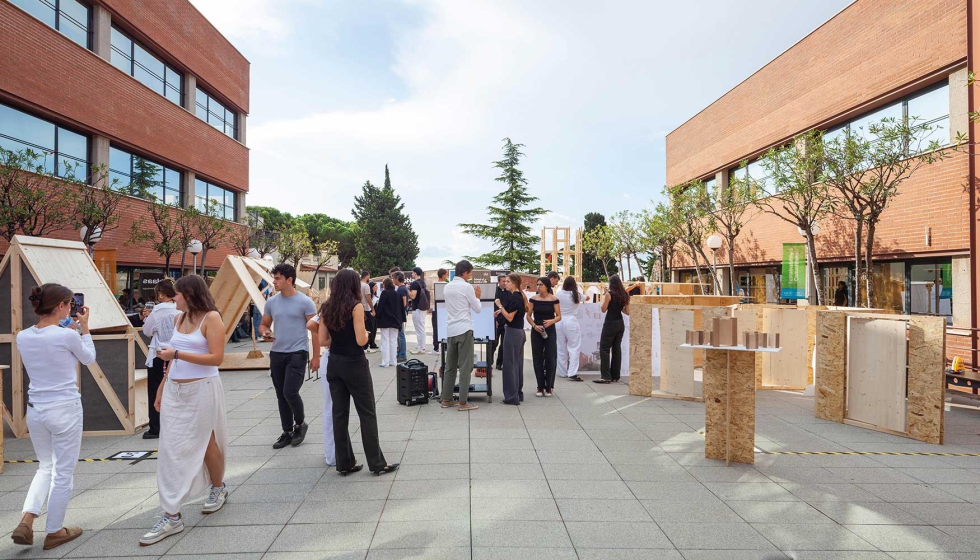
(162, 182)
(214, 113)
(861, 127)
(222, 201)
(932, 289)
(709, 185)
(71, 17)
(760, 175)
(929, 111)
(62, 151)
(130, 57)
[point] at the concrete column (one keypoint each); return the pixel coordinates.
(961, 291)
(102, 32)
(188, 188)
(959, 120)
(190, 93)
(100, 157)
(242, 118)
(240, 205)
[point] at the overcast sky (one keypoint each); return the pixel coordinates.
(431, 87)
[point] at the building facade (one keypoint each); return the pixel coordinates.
(875, 59)
(116, 83)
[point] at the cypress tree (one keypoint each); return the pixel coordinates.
(384, 237)
(511, 219)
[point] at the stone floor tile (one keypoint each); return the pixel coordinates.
(598, 490)
(122, 543)
(426, 509)
(615, 534)
(824, 536)
(515, 509)
(334, 511)
(510, 489)
(895, 493)
(250, 514)
(751, 491)
(602, 510)
(447, 489)
(502, 553)
(324, 537)
(506, 472)
(716, 536)
(251, 493)
(525, 534)
(412, 534)
(227, 540)
(455, 553)
(910, 538)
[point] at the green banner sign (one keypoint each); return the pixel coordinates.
(793, 284)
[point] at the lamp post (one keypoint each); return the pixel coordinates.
(195, 247)
(812, 272)
(254, 253)
(714, 243)
(92, 239)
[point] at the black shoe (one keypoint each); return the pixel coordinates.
(575, 378)
(388, 469)
(283, 440)
(151, 435)
(299, 434)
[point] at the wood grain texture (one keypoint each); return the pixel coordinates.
(811, 342)
(641, 374)
(876, 372)
(831, 348)
(786, 368)
(740, 439)
(235, 361)
(750, 319)
(926, 379)
(676, 363)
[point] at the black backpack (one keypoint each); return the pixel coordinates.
(422, 298)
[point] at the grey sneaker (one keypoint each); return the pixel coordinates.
(216, 499)
(162, 529)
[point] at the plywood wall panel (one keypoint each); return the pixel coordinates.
(926, 379)
(831, 348)
(677, 364)
(738, 438)
(876, 373)
(641, 372)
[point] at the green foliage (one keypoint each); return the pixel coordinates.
(602, 244)
(211, 230)
(592, 269)
(272, 218)
(32, 200)
(383, 233)
(660, 235)
(293, 243)
(510, 219)
(322, 228)
(96, 205)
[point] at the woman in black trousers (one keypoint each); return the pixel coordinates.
(615, 304)
(545, 312)
(513, 308)
(349, 374)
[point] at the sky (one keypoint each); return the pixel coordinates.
(431, 88)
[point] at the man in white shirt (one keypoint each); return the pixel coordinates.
(461, 299)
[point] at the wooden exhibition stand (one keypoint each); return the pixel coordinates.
(2, 369)
(108, 386)
(235, 287)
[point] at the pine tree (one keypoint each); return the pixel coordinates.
(592, 269)
(510, 230)
(384, 237)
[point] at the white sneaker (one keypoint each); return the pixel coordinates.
(162, 529)
(383, 365)
(539, 394)
(216, 499)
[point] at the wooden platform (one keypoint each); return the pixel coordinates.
(239, 361)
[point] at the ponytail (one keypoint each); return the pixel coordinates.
(47, 297)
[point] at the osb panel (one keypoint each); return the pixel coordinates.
(740, 435)
(641, 368)
(786, 368)
(811, 343)
(927, 379)
(661, 300)
(831, 348)
(750, 319)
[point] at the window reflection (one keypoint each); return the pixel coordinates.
(71, 17)
(130, 57)
(62, 151)
(138, 176)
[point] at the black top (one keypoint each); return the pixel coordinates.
(840, 297)
(543, 310)
(344, 341)
(417, 286)
(390, 310)
(614, 312)
(502, 295)
(514, 302)
(403, 291)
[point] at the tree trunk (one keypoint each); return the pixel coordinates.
(605, 269)
(697, 266)
(858, 274)
(204, 255)
(183, 263)
(869, 264)
(166, 266)
(814, 267)
(731, 267)
(639, 266)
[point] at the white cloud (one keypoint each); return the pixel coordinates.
(245, 19)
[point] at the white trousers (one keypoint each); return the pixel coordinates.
(569, 343)
(389, 346)
(189, 413)
(418, 320)
(329, 449)
(56, 432)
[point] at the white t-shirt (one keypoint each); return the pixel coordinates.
(568, 306)
(460, 299)
(50, 356)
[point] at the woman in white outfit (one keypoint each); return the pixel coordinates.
(159, 325)
(193, 435)
(320, 364)
(54, 408)
(569, 331)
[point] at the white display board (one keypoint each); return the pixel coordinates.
(487, 291)
(483, 327)
(590, 320)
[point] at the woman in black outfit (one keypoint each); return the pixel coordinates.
(513, 308)
(615, 304)
(545, 312)
(349, 374)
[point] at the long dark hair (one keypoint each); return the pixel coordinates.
(345, 295)
(515, 279)
(569, 285)
(47, 297)
(617, 291)
(196, 295)
(547, 284)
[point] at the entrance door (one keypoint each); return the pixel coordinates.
(829, 277)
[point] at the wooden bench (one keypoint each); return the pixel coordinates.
(966, 380)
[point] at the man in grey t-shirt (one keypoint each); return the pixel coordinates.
(289, 311)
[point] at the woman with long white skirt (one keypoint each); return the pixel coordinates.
(193, 435)
(51, 353)
(569, 330)
(319, 363)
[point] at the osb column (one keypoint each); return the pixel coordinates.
(641, 350)
(927, 379)
(831, 374)
(729, 397)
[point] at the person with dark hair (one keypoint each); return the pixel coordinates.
(499, 324)
(637, 287)
(569, 331)
(368, 308)
(390, 311)
(461, 299)
(419, 294)
(442, 275)
(554, 278)
(615, 304)
(399, 278)
(159, 325)
(126, 300)
(349, 375)
(513, 310)
(372, 345)
(840, 295)
(544, 314)
(51, 352)
(289, 310)
(193, 435)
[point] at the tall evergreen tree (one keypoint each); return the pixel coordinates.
(592, 270)
(383, 232)
(511, 219)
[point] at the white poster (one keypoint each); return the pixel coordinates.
(655, 342)
(590, 319)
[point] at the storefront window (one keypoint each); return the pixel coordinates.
(889, 282)
(691, 277)
(829, 277)
(760, 285)
(932, 290)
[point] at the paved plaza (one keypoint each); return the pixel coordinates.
(590, 473)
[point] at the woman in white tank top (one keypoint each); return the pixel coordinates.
(193, 435)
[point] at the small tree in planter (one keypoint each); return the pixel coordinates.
(33, 201)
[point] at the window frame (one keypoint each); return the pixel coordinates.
(55, 141)
(209, 99)
(57, 19)
(163, 169)
(167, 68)
(198, 196)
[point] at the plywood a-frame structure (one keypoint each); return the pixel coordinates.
(107, 386)
(267, 266)
(234, 287)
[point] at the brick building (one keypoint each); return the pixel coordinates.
(107, 82)
(876, 58)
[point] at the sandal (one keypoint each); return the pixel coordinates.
(602, 381)
(449, 404)
(387, 469)
(353, 469)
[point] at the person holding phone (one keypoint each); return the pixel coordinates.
(159, 325)
(51, 352)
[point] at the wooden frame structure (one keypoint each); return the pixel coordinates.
(562, 242)
(234, 287)
(658, 351)
(108, 386)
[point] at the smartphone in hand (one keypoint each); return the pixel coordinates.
(77, 302)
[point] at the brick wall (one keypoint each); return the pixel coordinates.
(869, 50)
(44, 71)
(175, 28)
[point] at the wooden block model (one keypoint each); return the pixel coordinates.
(750, 340)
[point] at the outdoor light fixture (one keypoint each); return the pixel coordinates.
(93, 239)
(195, 247)
(714, 243)
(254, 253)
